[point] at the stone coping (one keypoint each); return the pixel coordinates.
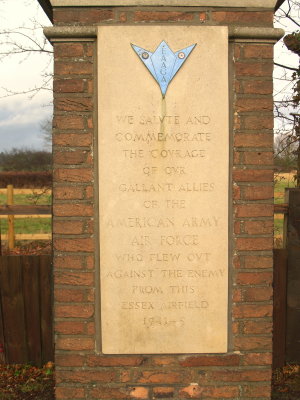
(235, 32)
(176, 3)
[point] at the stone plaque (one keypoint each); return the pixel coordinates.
(163, 188)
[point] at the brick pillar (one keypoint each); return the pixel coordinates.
(82, 371)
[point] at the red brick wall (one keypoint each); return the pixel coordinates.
(243, 373)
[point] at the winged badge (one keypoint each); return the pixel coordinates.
(163, 63)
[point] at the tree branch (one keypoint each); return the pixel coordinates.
(286, 67)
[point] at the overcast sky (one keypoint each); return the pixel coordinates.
(20, 116)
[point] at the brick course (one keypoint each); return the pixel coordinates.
(163, 16)
(82, 373)
(243, 17)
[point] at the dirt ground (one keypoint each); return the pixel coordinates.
(286, 383)
(25, 382)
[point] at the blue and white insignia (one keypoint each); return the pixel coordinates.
(163, 63)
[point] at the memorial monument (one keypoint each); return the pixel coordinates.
(163, 192)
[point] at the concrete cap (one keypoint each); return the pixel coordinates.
(184, 3)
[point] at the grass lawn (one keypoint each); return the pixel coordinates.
(282, 181)
(28, 225)
(34, 198)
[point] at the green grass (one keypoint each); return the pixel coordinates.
(282, 181)
(28, 199)
(278, 224)
(28, 225)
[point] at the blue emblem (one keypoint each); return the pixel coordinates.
(163, 64)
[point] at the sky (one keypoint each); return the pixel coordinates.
(21, 115)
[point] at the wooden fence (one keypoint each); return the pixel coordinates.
(26, 309)
(286, 333)
(10, 210)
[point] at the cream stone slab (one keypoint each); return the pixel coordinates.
(163, 193)
(183, 3)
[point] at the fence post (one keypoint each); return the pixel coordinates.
(10, 218)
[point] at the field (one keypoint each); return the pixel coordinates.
(282, 181)
(27, 227)
(28, 196)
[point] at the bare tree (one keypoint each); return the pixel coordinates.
(287, 97)
(20, 43)
(46, 133)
